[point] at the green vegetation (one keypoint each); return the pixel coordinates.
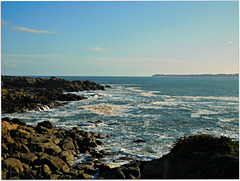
(203, 142)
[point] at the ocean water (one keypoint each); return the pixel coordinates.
(155, 109)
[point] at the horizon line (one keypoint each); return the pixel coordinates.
(123, 75)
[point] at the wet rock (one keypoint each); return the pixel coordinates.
(18, 121)
(101, 136)
(139, 141)
(46, 124)
(6, 119)
(98, 142)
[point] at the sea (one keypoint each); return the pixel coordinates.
(158, 110)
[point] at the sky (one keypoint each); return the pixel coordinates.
(139, 38)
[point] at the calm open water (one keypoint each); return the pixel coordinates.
(156, 109)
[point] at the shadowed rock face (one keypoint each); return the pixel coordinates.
(20, 94)
(197, 157)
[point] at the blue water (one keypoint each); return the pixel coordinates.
(156, 109)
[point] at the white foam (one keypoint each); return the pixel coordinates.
(201, 112)
(134, 89)
(148, 94)
(104, 109)
(226, 119)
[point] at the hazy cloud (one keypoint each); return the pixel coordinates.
(5, 64)
(28, 30)
(97, 49)
(5, 23)
(229, 42)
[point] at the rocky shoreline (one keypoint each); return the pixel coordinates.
(21, 94)
(48, 152)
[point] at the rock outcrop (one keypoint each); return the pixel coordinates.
(20, 94)
(46, 152)
(197, 157)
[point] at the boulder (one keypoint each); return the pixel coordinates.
(55, 163)
(46, 124)
(28, 158)
(51, 148)
(68, 157)
(18, 121)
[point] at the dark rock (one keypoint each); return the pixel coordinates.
(138, 141)
(99, 142)
(108, 86)
(46, 124)
(6, 119)
(115, 173)
(18, 121)
(89, 169)
(41, 129)
(196, 157)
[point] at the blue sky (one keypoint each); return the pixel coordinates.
(119, 38)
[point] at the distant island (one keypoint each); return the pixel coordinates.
(196, 75)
